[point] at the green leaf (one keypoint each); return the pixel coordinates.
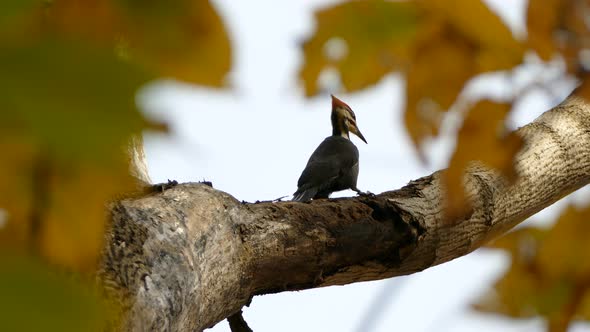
(72, 100)
(35, 299)
(9, 9)
(67, 111)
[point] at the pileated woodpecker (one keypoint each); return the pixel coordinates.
(334, 165)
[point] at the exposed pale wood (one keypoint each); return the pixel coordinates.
(137, 161)
(188, 257)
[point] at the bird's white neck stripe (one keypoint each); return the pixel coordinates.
(344, 134)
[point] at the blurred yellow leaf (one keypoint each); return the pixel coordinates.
(452, 47)
(584, 307)
(583, 90)
(68, 111)
(484, 138)
(75, 101)
(436, 76)
(181, 39)
(495, 46)
(542, 19)
(72, 231)
(16, 169)
(11, 9)
(560, 27)
(438, 45)
(558, 259)
(363, 40)
(549, 274)
(70, 71)
(35, 299)
(521, 293)
(522, 243)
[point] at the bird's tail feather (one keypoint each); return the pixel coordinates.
(304, 195)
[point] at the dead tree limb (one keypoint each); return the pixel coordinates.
(190, 256)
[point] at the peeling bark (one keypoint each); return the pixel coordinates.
(190, 256)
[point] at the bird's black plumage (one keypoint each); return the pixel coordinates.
(334, 165)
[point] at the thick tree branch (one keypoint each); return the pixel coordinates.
(191, 256)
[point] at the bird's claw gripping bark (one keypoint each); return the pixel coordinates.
(161, 187)
(364, 193)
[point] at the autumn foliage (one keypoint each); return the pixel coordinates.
(70, 71)
(71, 68)
(439, 46)
(549, 273)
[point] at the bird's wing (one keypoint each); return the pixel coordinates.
(326, 164)
(319, 172)
(316, 176)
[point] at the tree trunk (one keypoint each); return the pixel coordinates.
(186, 258)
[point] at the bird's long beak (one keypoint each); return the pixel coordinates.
(355, 130)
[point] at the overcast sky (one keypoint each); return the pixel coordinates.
(253, 141)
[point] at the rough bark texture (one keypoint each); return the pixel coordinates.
(190, 256)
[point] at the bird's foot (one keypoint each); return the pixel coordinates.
(161, 187)
(364, 193)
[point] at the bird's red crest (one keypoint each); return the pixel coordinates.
(338, 102)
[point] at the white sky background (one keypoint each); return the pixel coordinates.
(253, 141)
